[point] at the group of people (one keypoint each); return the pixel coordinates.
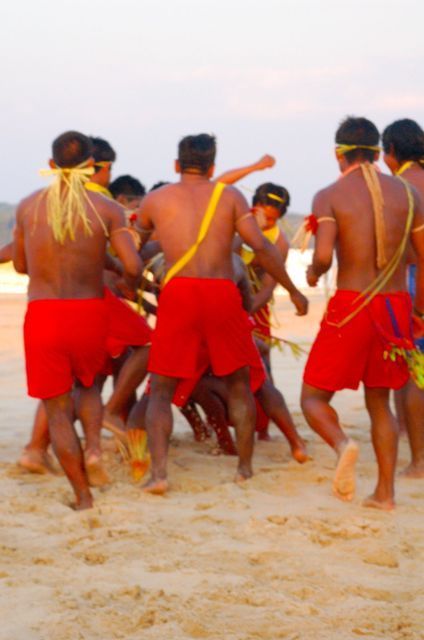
(205, 263)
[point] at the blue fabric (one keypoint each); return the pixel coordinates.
(412, 288)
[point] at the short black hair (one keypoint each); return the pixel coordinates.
(197, 153)
(358, 131)
(158, 185)
(263, 195)
(406, 139)
(102, 150)
(71, 149)
(127, 186)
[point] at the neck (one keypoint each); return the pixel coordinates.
(193, 178)
(404, 166)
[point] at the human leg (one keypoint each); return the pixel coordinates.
(385, 436)
(67, 447)
(323, 419)
(414, 414)
(242, 413)
(159, 429)
(275, 407)
(89, 410)
(35, 457)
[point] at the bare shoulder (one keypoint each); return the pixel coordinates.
(28, 204)
(322, 201)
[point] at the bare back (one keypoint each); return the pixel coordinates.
(348, 201)
(70, 270)
(176, 212)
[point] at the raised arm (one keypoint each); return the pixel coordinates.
(19, 256)
(325, 239)
(234, 175)
(266, 254)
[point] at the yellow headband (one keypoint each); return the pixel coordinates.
(341, 149)
(83, 171)
(275, 197)
(103, 163)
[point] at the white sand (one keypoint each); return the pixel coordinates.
(278, 558)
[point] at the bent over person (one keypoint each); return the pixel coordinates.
(60, 241)
(368, 218)
(201, 320)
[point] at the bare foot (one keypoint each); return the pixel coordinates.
(85, 502)
(344, 478)
(115, 424)
(243, 474)
(156, 487)
(264, 435)
(413, 471)
(97, 476)
(36, 461)
(374, 503)
(299, 451)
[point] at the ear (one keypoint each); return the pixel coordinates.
(121, 199)
(90, 162)
(210, 172)
(177, 166)
(376, 156)
(52, 164)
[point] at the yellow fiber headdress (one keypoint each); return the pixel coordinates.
(67, 201)
(341, 149)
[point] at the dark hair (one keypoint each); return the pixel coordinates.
(197, 153)
(158, 185)
(102, 151)
(358, 131)
(71, 149)
(127, 186)
(263, 195)
(406, 139)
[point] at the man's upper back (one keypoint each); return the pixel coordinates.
(72, 269)
(349, 201)
(176, 212)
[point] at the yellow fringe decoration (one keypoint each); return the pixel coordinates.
(414, 359)
(135, 453)
(370, 175)
(66, 202)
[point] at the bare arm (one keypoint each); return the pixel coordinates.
(325, 239)
(144, 225)
(124, 246)
(267, 255)
(6, 253)
(234, 175)
(19, 257)
(242, 281)
(417, 240)
(264, 294)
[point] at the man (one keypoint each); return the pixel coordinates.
(104, 157)
(200, 316)
(128, 191)
(366, 217)
(403, 145)
(60, 241)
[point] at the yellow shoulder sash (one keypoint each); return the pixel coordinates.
(98, 188)
(204, 228)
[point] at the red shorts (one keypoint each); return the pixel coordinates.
(126, 327)
(200, 324)
(65, 340)
(343, 357)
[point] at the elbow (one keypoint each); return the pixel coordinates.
(20, 267)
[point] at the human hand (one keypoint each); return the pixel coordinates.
(300, 302)
(266, 162)
(311, 276)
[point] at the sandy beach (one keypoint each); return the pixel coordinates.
(279, 557)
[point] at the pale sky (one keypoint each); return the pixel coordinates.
(272, 76)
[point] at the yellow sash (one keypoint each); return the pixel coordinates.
(204, 227)
(98, 188)
(247, 254)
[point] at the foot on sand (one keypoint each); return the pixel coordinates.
(84, 502)
(156, 487)
(243, 474)
(413, 471)
(115, 425)
(264, 436)
(374, 503)
(299, 452)
(36, 461)
(97, 476)
(344, 478)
